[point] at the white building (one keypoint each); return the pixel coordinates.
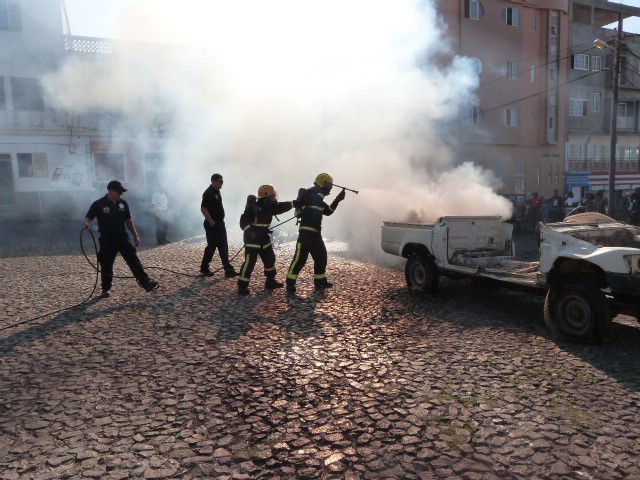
(53, 162)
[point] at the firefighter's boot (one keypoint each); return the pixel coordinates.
(271, 283)
(243, 287)
(291, 286)
(322, 283)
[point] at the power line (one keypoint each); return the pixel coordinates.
(537, 66)
(533, 94)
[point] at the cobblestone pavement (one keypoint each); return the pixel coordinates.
(368, 380)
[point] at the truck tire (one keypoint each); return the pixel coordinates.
(422, 274)
(577, 312)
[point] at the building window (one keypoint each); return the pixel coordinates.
(518, 186)
(578, 104)
(596, 63)
(598, 152)
(498, 170)
(473, 115)
(575, 151)
(555, 26)
(3, 100)
(533, 118)
(109, 166)
(533, 73)
(27, 94)
(510, 117)
(595, 101)
(511, 16)
(622, 110)
(537, 176)
(534, 22)
(521, 169)
(10, 16)
(33, 165)
(473, 9)
(580, 61)
(477, 65)
(511, 69)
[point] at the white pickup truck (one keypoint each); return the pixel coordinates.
(588, 265)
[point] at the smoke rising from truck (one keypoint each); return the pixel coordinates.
(278, 92)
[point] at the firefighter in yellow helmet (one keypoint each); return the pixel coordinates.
(255, 222)
(309, 235)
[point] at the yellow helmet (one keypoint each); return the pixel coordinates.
(323, 180)
(266, 191)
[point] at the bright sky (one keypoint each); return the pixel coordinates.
(93, 18)
(98, 18)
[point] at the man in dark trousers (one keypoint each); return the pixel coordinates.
(309, 235)
(213, 212)
(556, 205)
(112, 212)
(255, 223)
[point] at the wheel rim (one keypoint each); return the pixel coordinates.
(575, 314)
(418, 275)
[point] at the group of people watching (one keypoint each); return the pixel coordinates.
(625, 207)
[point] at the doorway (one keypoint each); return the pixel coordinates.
(7, 192)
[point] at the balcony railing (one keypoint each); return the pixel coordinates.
(625, 123)
(88, 45)
(593, 165)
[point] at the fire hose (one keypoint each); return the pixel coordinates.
(95, 284)
(97, 271)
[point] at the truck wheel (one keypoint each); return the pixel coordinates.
(577, 312)
(422, 274)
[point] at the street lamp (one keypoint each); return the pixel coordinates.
(614, 109)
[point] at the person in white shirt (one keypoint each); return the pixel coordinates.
(160, 205)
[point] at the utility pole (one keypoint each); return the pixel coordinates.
(614, 115)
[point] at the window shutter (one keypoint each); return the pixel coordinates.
(466, 8)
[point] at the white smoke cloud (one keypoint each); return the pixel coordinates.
(277, 92)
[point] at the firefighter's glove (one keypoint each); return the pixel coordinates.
(337, 200)
(298, 204)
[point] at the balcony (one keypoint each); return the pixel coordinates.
(77, 44)
(625, 123)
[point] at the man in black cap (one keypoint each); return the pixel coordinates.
(113, 214)
(213, 212)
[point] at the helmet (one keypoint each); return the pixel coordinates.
(266, 191)
(324, 180)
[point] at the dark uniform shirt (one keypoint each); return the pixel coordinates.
(111, 216)
(212, 201)
(256, 219)
(315, 208)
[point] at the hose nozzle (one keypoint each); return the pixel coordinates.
(345, 188)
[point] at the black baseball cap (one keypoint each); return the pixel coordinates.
(115, 185)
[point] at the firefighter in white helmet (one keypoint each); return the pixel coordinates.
(255, 222)
(309, 235)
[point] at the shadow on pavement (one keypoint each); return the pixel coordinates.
(73, 316)
(458, 301)
(237, 318)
